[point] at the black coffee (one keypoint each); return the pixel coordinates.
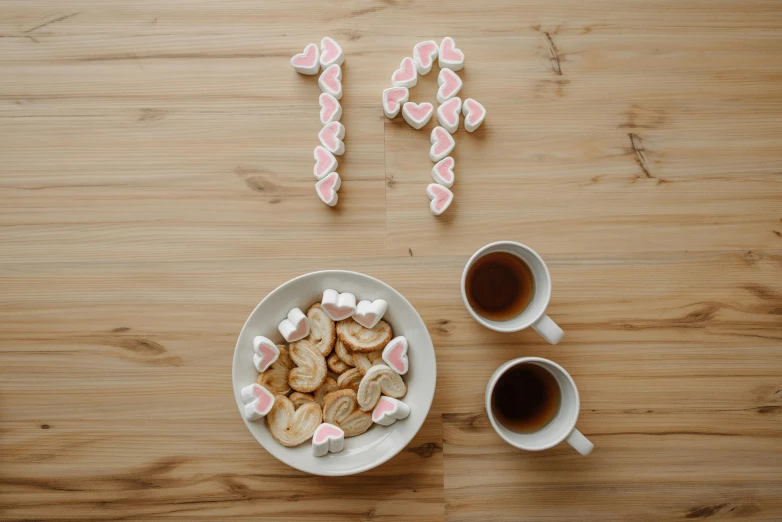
(526, 398)
(499, 286)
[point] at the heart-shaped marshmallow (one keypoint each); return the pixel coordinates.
(474, 114)
(450, 85)
(330, 109)
(441, 198)
(307, 62)
(417, 114)
(327, 189)
(393, 99)
(448, 114)
(325, 162)
(330, 53)
(331, 137)
(406, 75)
(369, 313)
(442, 172)
(424, 54)
(295, 327)
(442, 144)
(389, 410)
(395, 355)
(450, 57)
(327, 439)
(258, 401)
(265, 353)
(338, 306)
(330, 81)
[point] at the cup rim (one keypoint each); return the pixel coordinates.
(495, 423)
(499, 328)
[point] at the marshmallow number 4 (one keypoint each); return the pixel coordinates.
(327, 189)
(369, 313)
(442, 144)
(448, 114)
(258, 401)
(331, 137)
(338, 306)
(450, 57)
(474, 114)
(330, 109)
(395, 355)
(307, 62)
(441, 197)
(393, 99)
(389, 410)
(424, 54)
(327, 439)
(330, 53)
(265, 353)
(442, 172)
(296, 326)
(331, 81)
(417, 114)
(450, 85)
(406, 75)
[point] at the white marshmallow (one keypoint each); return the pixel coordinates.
(308, 61)
(258, 401)
(331, 137)
(265, 353)
(441, 197)
(442, 144)
(388, 410)
(295, 327)
(417, 114)
(450, 85)
(330, 81)
(369, 313)
(327, 439)
(325, 162)
(442, 172)
(330, 109)
(338, 306)
(406, 75)
(450, 57)
(424, 54)
(393, 99)
(395, 355)
(327, 189)
(474, 114)
(330, 53)
(448, 114)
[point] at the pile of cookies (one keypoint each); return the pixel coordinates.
(340, 372)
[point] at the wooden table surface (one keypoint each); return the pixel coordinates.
(155, 184)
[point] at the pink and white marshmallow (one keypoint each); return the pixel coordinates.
(307, 62)
(330, 109)
(327, 189)
(450, 57)
(441, 197)
(296, 326)
(331, 137)
(448, 114)
(395, 355)
(450, 85)
(330, 53)
(325, 162)
(442, 144)
(442, 172)
(330, 81)
(474, 114)
(258, 401)
(417, 114)
(369, 313)
(393, 99)
(338, 306)
(265, 353)
(424, 54)
(406, 75)
(389, 410)
(327, 439)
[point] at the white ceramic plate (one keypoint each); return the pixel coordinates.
(379, 443)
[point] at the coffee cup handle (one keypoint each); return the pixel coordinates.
(580, 443)
(548, 329)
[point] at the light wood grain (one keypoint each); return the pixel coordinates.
(156, 160)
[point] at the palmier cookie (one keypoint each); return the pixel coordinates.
(336, 365)
(291, 426)
(379, 380)
(275, 378)
(329, 386)
(298, 398)
(341, 409)
(350, 380)
(345, 355)
(360, 339)
(310, 371)
(323, 332)
(364, 361)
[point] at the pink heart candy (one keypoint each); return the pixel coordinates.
(423, 56)
(450, 56)
(406, 75)
(441, 198)
(450, 111)
(442, 144)
(308, 58)
(327, 431)
(330, 81)
(395, 355)
(443, 172)
(330, 109)
(331, 137)
(383, 406)
(325, 162)
(474, 114)
(330, 52)
(393, 99)
(450, 84)
(266, 352)
(327, 189)
(417, 115)
(264, 399)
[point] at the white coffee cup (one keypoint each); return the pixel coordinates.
(563, 425)
(535, 314)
